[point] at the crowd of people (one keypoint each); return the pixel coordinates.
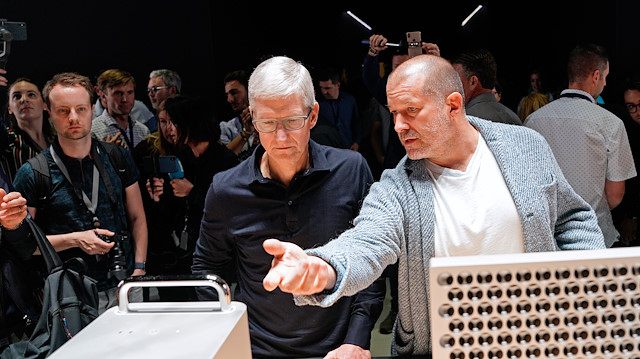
(289, 196)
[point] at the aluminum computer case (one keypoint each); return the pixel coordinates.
(194, 330)
(566, 304)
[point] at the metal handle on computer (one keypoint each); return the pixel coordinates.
(208, 280)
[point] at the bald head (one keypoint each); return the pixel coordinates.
(438, 77)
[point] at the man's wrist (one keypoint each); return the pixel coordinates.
(13, 228)
(332, 277)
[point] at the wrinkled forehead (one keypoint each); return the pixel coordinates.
(278, 107)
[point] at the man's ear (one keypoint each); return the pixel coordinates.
(101, 94)
(455, 102)
(474, 82)
(313, 117)
(596, 76)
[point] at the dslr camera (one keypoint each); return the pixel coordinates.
(116, 259)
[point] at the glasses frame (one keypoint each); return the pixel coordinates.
(282, 122)
(632, 107)
(155, 89)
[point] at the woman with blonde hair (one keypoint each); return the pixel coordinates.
(530, 103)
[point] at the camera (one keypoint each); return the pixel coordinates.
(116, 259)
(10, 31)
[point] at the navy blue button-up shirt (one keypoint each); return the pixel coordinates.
(243, 209)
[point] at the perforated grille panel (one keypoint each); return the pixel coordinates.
(571, 304)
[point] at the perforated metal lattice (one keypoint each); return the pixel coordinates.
(571, 304)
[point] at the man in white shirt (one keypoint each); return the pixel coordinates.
(589, 142)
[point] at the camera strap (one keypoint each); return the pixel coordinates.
(91, 204)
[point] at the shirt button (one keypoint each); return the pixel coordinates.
(290, 203)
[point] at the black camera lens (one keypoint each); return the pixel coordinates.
(116, 259)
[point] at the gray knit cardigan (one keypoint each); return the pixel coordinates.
(396, 223)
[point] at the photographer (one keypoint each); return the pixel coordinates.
(165, 212)
(16, 248)
(88, 200)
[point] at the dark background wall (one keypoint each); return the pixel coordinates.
(203, 40)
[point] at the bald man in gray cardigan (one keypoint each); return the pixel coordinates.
(458, 169)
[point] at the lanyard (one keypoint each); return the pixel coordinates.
(127, 139)
(91, 204)
(578, 95)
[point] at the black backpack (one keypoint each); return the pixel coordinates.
(70, 303)
(20, 296)
(42, 176)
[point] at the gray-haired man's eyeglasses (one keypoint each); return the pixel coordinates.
(290, 123)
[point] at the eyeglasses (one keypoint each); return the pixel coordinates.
(155, 89)
(633, 108)
(291, 123)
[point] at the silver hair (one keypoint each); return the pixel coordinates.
(281, 77)
(169, 77)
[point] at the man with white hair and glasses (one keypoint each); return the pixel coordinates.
(162, 84)
(297, 190)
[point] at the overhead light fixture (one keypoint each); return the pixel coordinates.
(360, 21)
(471, 15)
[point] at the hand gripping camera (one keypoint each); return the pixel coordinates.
(116, 259)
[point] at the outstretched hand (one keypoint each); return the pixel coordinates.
(295, 272)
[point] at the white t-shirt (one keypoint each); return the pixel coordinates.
(475, 212)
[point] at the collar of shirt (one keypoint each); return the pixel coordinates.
(68, 160)
(578, 92)
(112, 121)
(483, 97)
(318, 167)
(80, 170)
